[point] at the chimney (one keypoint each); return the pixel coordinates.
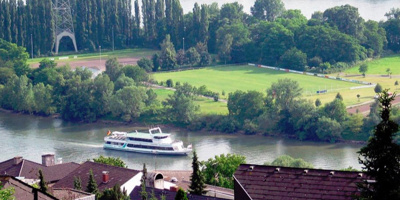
(106, 177)
(59, 161)
(17, 160)
(174, 188)
(48, 159)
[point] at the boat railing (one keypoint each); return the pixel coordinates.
(155, 129)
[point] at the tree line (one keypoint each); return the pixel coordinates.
(272, 35)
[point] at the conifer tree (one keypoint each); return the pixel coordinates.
(92, 184)
(77, 183)
(42, 183)
(197, 180)
(381, 156)
(181, 195)
(143, 192)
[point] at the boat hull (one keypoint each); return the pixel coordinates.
(148, 151)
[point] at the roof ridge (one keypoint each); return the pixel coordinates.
(22, 166)
(108, 166)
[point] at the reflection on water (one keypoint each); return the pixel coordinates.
(30, 137)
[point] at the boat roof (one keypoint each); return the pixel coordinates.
(146, 135)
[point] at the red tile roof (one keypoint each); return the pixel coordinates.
(270, 182)
(30, 170)
(117, 175)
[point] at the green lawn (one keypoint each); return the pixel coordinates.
(379, 66)
(232, 78)
(207, 106)
(104, 54)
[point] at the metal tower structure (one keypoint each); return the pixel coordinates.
(63, 22)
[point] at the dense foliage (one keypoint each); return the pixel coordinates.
(118, 162)
(197, 185)
(269, 35)
(219, 171)
(6, 193)
(288, 161)
(381, 156)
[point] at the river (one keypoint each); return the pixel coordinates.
(31, 136)
(368, 9)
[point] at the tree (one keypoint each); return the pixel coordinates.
(358, 97)
(339, 96)
(245, 105)
(91, 186)
(225, 48)
(113, 68)
(180, 106)
(123, 81)
(219, 171)
(118, 162)
(284, 92)
(114, 193)
(347, 19)
(128, 102)
(145, 64)
(335, 110)
(6, 193)
(381, 156)
(193, 57)
(288, 161)
(77, 183)
(378, 88)
(181, 195)
(363, 69)
(143, 192)
(389, 72)
(169, 83)
(196, 179)
(168, 54)
(318, 103)
(328, 129)
(267, 9)
(42, 183)
(293, 59)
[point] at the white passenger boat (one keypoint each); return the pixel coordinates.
(154, 142)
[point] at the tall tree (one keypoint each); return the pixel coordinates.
(143, 192)
(42, 183)
(381, 156)
(196, 179)
(77, 183)
(92, 185)
(267, 9)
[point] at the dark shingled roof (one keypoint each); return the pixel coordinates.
(270, 182)
(117, 175)
(30, 170)
(169, 195)
(23, 191)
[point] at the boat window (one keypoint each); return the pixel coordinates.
(140, 139)
(160, 137)
(108, 142)
(150, 147)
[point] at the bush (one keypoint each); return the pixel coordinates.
(170, 83)
(249, 127)
(146, 64)
(216, 97)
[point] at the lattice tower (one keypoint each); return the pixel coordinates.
(63, 22)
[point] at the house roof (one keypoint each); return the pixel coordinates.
(23, 191)
(116, 175)
(71, 194)
(271, 182)
(169, 195)
(30, 170)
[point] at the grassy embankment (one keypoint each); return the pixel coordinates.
(379, 66)
(232, 78)
(125, 53)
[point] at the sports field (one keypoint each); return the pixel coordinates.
(379, 66)
(244, 77)
(207, 106)
(126, 56)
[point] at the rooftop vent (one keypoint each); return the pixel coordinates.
(305, 171)
(174, 179)
(331, 173)
(277, 169)
(360, 175)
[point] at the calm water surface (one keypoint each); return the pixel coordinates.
(30, 137)
(368, 9)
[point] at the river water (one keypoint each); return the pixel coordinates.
(368, 9)
(31, 136)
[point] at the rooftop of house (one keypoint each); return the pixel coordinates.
(116, 175)
(169, 195)
(22, 190)
(271, 182)
(19, 167)
(71, 194)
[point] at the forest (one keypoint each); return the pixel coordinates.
(271, 35)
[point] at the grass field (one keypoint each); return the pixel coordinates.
(207, 106)
(379, 66)
(232, 78)
(104, 54)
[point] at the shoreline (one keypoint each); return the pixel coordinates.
(142, 124)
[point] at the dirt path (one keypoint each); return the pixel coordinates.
(92, 63)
